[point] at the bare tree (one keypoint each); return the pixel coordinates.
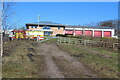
(6, 17)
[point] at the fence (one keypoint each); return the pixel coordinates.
(77, 41)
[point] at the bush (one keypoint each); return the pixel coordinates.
(60, 35)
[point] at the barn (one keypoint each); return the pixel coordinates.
(90, 31)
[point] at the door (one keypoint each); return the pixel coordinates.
(68, 31)
(97, 33)
(47, 33)
(78, 32)
(107, 33)
(88, 32)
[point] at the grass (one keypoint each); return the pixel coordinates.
(104, 67)
(54, 40)
(18, 64)
(106, 51)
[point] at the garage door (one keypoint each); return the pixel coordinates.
(78, 32)
(107, 33)
(88, 32)
(97, 33)
(68, 31)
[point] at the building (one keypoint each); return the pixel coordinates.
(90, 31)
(49, 28)
(52, 29)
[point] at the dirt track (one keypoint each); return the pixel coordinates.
(59, 64)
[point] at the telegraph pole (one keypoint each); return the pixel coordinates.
(38, 20)
(38, 26)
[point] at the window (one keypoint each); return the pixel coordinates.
(58, 27)
(46, 27)
(46, 33)
(33, 26)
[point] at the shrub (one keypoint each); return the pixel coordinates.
(60, 35)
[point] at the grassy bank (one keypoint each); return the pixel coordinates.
(92, 59)
(18, 64)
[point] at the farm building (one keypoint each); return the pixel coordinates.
(49, 28)
(90, 31)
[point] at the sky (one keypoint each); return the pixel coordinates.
(70, 13)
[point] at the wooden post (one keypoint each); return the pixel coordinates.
(64, 40)
(114, 46)
(75, 41)
(84, 42)
(69, 40)
(60, 39)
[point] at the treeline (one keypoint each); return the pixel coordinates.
(107, 23)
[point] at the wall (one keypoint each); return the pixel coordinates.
(54, 29)
(57, 31)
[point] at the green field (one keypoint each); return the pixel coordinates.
(103, 66)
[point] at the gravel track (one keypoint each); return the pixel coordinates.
(74, 68)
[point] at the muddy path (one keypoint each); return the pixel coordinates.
(59, 64)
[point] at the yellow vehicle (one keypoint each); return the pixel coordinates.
(19, 34)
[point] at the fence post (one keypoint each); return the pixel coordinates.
(64, 40)
(75, 41)
(84, 42)
(58, 39)
(114, 47)
(69, 40)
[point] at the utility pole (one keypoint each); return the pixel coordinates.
(38, 20)
(38, 26)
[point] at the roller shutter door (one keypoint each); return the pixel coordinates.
(107, 33)
(88, 32)
(68, 31)
(78, 32)
(97, 33)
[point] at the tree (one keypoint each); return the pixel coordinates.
(109, 23)
(112, 24)
(7, 13)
